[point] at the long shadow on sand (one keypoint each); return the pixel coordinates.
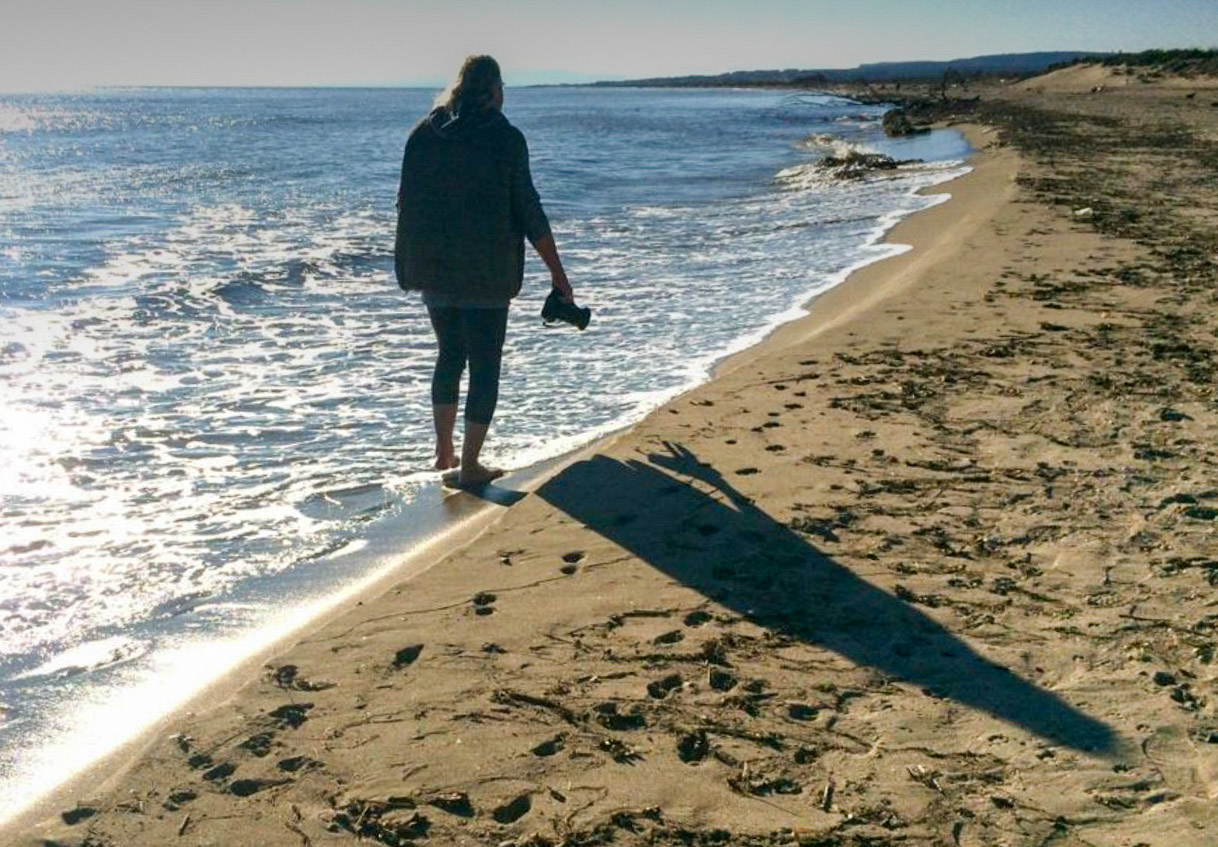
(779, 581)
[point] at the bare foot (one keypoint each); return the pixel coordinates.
(446, 462)
(476, 477)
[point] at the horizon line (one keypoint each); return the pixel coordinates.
(579, 80)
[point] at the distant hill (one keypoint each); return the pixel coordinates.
(1008, 64)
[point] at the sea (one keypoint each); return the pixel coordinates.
(214, 407)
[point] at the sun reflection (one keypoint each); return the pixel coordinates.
(30, 439)
(13, 119)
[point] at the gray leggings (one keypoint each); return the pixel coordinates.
(468, 335)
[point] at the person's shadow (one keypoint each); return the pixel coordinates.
(776, 579)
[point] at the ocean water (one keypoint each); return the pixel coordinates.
(212, 393)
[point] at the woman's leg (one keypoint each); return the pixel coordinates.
(446, 381)
(485, 330)
(444, 416)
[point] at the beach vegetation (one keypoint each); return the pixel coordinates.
(1194, 62)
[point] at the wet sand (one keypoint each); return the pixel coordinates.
(934, 565)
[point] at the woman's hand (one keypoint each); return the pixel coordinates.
(558, 279)
(548, 251)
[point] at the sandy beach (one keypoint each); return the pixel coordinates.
(933, 565)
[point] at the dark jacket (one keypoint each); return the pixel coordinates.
(465, 205)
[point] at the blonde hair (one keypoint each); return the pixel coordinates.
(474, 88)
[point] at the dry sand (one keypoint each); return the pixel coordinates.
(934, 565)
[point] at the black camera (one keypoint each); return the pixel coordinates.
(557, 309)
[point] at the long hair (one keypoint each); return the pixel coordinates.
(474, 88)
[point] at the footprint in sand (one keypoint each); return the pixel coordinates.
(661, 688)
(483, 603)
(407, 656)
(247, 787)
(200, 760)
(291, 715)
(693, 747)
(806, 756)
(219, 772)
(259, 744)
(697, 618)
(608, 716)
(747, 471)
(514, 809)
(802, 711)
(455, 803)
(549, 748)
(179, 798)
(669, 637)
(775, 448)
(721, 680)
(74, 816)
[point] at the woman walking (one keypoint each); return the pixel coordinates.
(465, 206)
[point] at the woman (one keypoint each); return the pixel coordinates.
(465, 205)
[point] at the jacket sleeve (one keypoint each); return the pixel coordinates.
(526, 204)
(400, 234)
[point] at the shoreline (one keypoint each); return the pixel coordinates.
(476, 515)
(862, 288)
(451, 515)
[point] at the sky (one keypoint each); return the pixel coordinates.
(56, 44)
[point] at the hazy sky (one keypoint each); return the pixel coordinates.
(70, 43)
